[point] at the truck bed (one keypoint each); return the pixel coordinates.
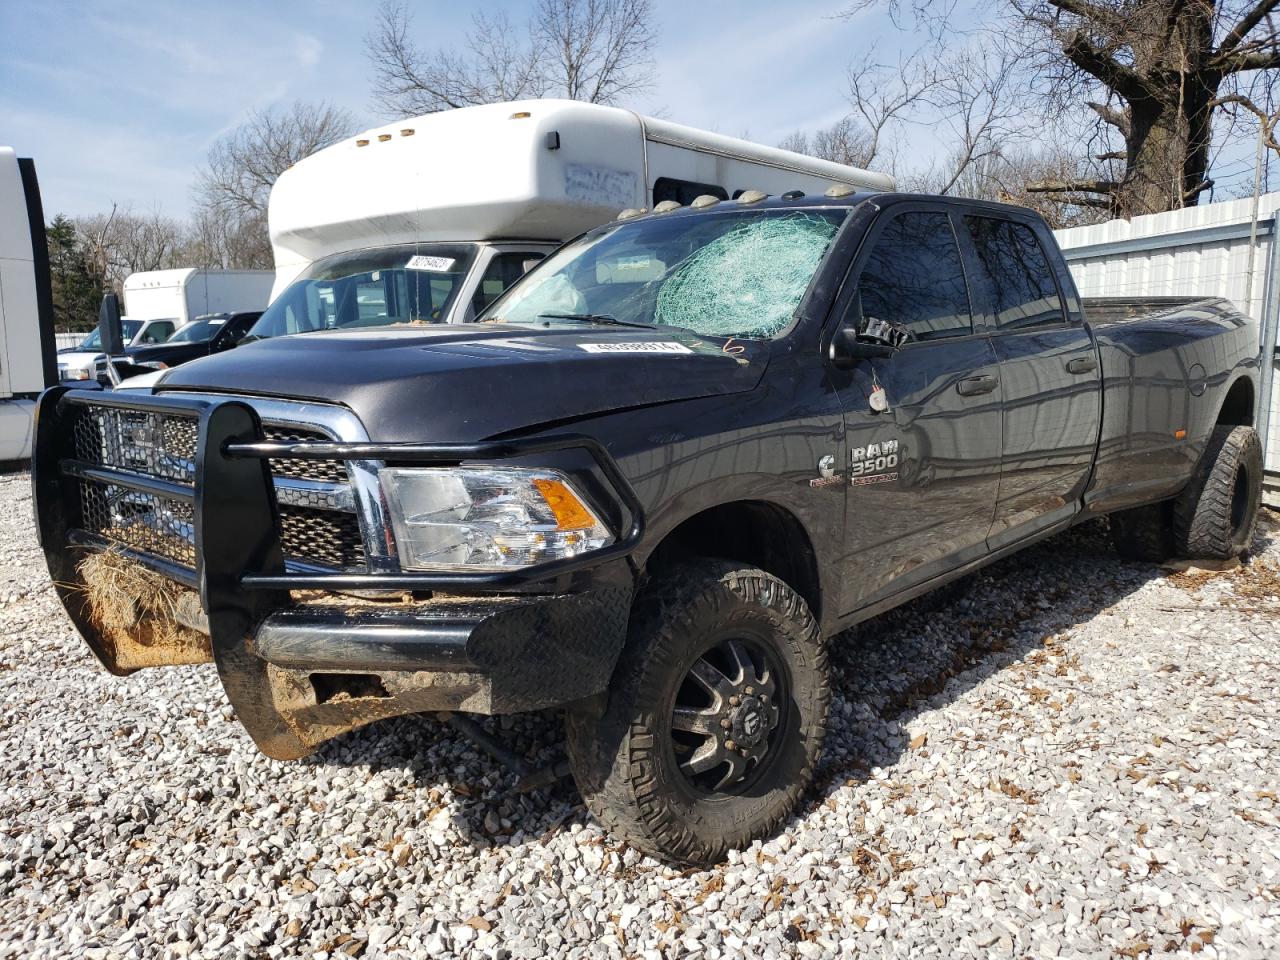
(1167, 364)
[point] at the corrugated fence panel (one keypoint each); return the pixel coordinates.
(1202, 250)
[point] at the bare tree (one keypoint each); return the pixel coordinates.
(233, 187)
(121, 242)
(961, 99)
(842, 142)
(242, 167)
(218, 241)
(594, 50)
(1155, 73)
(976, 106)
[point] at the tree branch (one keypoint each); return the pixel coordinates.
(1117, 118)
(1073, 186)
(1236, 35)
(1093, 61)
(1243, 62)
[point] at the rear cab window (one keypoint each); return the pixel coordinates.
(1018, 272)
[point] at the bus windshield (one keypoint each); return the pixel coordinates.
(409, 283)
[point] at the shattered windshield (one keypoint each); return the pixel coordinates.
(732, 273)
(408, 283)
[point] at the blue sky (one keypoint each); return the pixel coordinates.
(119, 101)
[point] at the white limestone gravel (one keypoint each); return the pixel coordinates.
(1065, 755)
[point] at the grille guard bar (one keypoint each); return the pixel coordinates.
(239, 453)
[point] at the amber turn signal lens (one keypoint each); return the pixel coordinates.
(568, 509)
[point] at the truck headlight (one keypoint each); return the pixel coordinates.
(72, 373)
(487, 519)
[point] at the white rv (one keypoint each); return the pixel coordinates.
(26, 307)
(430, 219)
(186, 293)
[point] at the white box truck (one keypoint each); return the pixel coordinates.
(186, 293)
(427, 220)
(26, 304)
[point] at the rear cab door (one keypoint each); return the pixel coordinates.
(1049, 371)
(924, 458)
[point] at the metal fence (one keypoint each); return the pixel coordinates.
(65, 340)
(1199, 250)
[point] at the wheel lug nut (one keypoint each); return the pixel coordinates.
(751, 690)
(725, 723)
(735, 700)
(764, 698)
(730, 745)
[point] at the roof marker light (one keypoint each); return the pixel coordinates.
(706, 200)
(666, 206)
(630, 212)
(751, 196)
(793, 195)
(521, 115)
(362, 143)
(837, 190)
(384, 137)
(407, 132)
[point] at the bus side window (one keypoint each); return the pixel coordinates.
(684, 191)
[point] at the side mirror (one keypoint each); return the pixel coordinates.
(111, 334)
(845, 349)
(110, 330)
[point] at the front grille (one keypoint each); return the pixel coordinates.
(164, 445)
(326, 471)
(158, 445)
(140, 521)
(327, 537)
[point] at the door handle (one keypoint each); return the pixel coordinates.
(1082, 364)
(976, 386)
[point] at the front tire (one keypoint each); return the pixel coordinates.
(1214, 517)
(715, 717)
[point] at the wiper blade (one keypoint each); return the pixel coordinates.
(603, 319)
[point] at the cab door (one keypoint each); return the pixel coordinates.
(1052, 387)
(923, 472)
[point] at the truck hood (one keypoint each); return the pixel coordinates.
(466, 383)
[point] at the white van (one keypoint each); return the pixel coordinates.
(429, 219)
(26, 305)
(184, 293)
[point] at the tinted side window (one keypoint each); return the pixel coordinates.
(1021, 278)
(914, 278)
(684, 191)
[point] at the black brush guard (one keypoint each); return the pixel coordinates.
(244, 587)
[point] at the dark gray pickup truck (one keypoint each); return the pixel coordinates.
(646, 487)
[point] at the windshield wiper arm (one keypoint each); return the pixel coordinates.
(603, 319)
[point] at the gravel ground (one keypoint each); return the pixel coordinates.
(1065, 755)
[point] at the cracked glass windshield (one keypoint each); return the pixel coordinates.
(725, 274)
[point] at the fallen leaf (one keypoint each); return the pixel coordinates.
(919, 740)
(480, 923)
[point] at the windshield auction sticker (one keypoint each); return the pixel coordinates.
(434, 264)
(647, 346)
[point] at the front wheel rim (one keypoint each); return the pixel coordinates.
(727, 718)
